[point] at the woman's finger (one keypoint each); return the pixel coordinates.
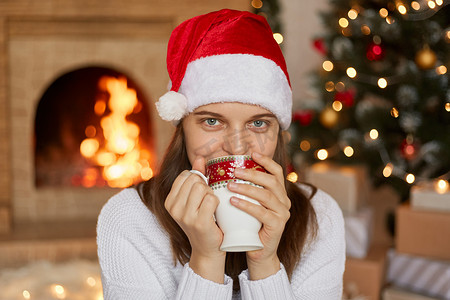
(265, 197)
(265, 216)
(176, 203)
(268, 181)
(208, 207)
(198, 191)
(271, 166)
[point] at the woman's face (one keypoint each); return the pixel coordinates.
(221, 129)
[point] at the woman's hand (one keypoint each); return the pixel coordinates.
(192, 204)
(273, 212)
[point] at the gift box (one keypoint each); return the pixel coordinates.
(366, 276)
(358, 232)
(348, 185)
(395, 293)
(422, 233)
(419, 274)
(431, 196)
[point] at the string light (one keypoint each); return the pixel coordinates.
(322, 154)
(329, 86)
(383, 12)
(348, 151)
(351, 72)
(387, 171)
(410, 178)
(257, 4)
(91, 281)
(365, 29)
(373, 134)
(415, 5)
(441, 186)
(327, 66)
(352, 13)
(26, 294)
(447, 106)
(439, 2)
(394, 112)
(390, 20)
(58, 291)
(278, 37)
(337, 105)
(305, 145)
(292, 177)
(343, 22)
(340, 86)
(431, 4)
(401, 9)
(441, 70)
(382, 83)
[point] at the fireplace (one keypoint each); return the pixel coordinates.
(93, 129)
(58, 64)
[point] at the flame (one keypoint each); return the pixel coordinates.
(122, 158)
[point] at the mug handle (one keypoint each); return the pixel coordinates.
(200, 174)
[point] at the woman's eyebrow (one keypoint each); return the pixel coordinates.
(262, 116)
(209, 113)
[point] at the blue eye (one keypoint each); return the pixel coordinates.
(258, 123)
(211, 121)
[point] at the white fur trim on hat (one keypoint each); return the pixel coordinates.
(243, 78)
(172, 106)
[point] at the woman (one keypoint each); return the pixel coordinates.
(230, 94)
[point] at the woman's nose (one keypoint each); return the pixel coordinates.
(236, 142)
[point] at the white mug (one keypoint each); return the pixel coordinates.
(241, 230)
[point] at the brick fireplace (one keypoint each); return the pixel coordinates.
(40, 41)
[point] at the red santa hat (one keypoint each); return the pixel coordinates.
(225, 56)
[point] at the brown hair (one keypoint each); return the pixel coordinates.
(301, 225)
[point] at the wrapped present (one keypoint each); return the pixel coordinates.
(348, 185)
(365, 277)
(395, 293)
(431, 196)
(422, 233)
(419, 274)
(358, 232)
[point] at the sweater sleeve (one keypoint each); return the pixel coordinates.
(319, 273)
(193, 286)
(135, 257)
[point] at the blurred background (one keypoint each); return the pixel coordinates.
(371, 126)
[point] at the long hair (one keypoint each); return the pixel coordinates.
(301, 226)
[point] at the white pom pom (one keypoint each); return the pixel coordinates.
(172, 106)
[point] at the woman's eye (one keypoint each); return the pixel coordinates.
(259, 123)
(211, 122)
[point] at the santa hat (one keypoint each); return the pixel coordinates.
(225, 56)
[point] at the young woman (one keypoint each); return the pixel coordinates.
(230, 94)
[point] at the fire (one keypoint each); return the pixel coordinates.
(118, 152)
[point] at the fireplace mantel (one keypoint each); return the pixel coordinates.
(40, 41)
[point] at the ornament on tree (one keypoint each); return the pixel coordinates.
(328, 117)
(375, 52)
(409, 149)
(347, 98)
(319, 45)
(303, 117)
(426, 58)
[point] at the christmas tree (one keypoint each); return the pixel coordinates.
(383, 91)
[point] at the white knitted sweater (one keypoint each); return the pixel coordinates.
(136, 260)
